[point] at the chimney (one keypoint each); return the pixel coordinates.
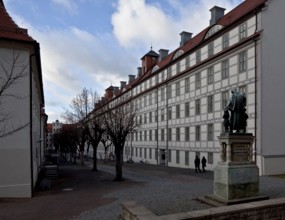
(131, 78)
(109, 92)
(216, 14)
(162, 54)
(139, 71)
(123, 84)
(185, 37)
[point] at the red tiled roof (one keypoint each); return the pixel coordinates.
(9, 29)
(237, 13)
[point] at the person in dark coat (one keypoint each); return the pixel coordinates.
(197, 164)
(204, 161)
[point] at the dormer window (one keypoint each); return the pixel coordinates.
(154, 69)
(178, 54)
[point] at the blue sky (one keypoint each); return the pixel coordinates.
(96, 43)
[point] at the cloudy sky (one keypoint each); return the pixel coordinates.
(96, 43)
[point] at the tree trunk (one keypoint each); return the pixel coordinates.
(95, 159)
(81, 157)
(119, 169)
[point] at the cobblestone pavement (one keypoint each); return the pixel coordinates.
(81, 194)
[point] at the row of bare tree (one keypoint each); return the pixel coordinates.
(91, 124)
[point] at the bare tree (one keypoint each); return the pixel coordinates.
(13, 68)
(90, 127)
(119, 122)
(105, 140)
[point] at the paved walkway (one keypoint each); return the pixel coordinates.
(81, 194)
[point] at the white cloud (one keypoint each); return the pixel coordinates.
(138, 23)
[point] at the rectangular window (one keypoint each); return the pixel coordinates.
(145, 101)
(162, 114)
(150, 153)
(169, 113)
(177, 111)
(168, 88)
(145, 153)
(242, 61)
(150, 135)
(155, 97)
(197, 106)
(210, 132)
(141, 152)
(187, 61)
(242, 30)
(169, 71)
(210, 158)
(198, 80)
(187, 134)
(145, 118)
(162, 94)
(210, 49)
(150, 117)
(187, 85)
(177, 88)
(140, 119)
(198, 56)
(156, 79)
(225, 69)
(225, 99)
(136, 152)
(187, 109)
(210, 103)
(177, 134)
(169, 155)
(150, 99)
(186, 157)
(210, 75)
(137, 136)
(169, 134)
(178, 67)
(226, 41)
(162, 135)
(145, 135)
(177, 156)
(198, 132)
(140, 135)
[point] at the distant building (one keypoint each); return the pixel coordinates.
(52, 128)
(180, 96)
(21, 152)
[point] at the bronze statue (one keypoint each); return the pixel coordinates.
(238, 116)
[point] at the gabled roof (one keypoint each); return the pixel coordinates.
(9, 29)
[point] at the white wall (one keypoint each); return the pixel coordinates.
(272, 87)
(15, 149)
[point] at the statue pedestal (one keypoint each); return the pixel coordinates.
(236, 176)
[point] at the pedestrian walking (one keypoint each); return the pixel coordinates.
(197, 164)
(204, 161)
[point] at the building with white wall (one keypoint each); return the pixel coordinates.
(22, 108)
(181, 96)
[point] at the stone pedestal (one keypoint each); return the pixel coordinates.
(236, 176)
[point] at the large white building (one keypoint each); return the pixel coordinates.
(21, 110)
(181, 96)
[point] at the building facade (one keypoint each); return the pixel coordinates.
(23, 119)
(181, 96)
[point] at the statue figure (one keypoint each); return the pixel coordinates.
(238, 116)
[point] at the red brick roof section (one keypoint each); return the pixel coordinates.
(9, 29)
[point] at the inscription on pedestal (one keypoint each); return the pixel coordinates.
(240, 153)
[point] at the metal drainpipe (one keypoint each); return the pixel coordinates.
(255, 85)
(31, 124)
(166, 153)
(157, 126)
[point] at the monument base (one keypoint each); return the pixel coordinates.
(218, 201)
(236, 181)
